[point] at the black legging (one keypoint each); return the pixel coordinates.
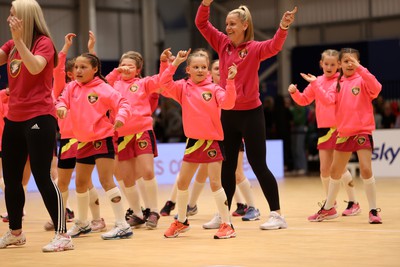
(249, 125)
(34, 137)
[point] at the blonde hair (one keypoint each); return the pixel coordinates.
(244, 15)
(136, 56)
(329, 52)
(34, 24)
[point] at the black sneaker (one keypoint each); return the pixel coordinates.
(241, 210)
(166, 210)
(128, 214)
(146, 213)
(69, 214)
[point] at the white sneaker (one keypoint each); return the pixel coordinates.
(215, 222)
(8, 239)
(274, 222)
(78, 229)
(120, 231)
(59, 243)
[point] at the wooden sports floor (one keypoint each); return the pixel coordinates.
(345, 241)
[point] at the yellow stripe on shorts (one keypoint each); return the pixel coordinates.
(125, 142)
(68, 145)
(326, 137)
(196, 146)
(341, 140)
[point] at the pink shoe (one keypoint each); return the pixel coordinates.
(352, 209)
(374, 217)
(323, 214)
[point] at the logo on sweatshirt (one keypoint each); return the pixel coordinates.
(355, 90)
(361, 140)
(143, 144)
(212, 153)
(207, 96)
(243, 53)
(134, 87)
(97, 145)
(15, 67)
(92, 98)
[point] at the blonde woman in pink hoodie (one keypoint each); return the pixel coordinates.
(352, 96)
(202, 102)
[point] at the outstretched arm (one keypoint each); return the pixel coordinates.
(288, 18)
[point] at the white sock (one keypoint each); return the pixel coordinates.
(325, 184)
(122, 187)
(132, 195)
(370, 191)
(94, 203)
(152, 194)
(142, 191)
(334, 187)
(245, 189)
(238, 196)
(83, 206)
(347, 181)
(221, 200)
(197, 188)
(117, 206)
(182, 200)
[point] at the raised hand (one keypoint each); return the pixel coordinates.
(207, 2)
(292, 88)
(91, 43)
(308, 77)
(124, 69)
(181, 57)
(351, 60)
(232, 70)
(288, 17)
(166, 55)
(16, 27)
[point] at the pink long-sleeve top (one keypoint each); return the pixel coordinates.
(59, 84)
(353, 107)
(201, 104)
(325, 113)
(88, 105)
(137, 91)
(247, 56)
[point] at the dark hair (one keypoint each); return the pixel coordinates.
(69, 67)
(95, 63)
(341, 54)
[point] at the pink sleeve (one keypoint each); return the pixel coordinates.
(121, 107)
(305, 98)
(112, 77)
(59, 75)
(63, 100)
(226, 98)
(272, 46)
(371, 83)
(327, 97)
(209, 32)
(171, 89)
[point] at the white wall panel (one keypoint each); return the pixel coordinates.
(107, 39)
(382, 8)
